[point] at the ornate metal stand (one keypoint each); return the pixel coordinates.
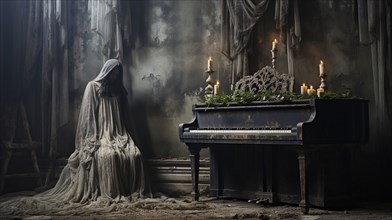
(323, 84)
(209, 90)
(274, 56)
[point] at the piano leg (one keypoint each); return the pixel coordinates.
(195, 157)
(302, 162)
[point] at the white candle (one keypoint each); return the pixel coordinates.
(209, 64)
(304, 89)
(216, 88)
(321, 67)
(274, 44)
(319, 91)
(311, 90)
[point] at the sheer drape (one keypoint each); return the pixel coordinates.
(287, 20)
(110, 19)
(238, 21)
(374, 25)
(55, 73)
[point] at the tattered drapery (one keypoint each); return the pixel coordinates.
(55, 74)
(375, 27)
(288, 22)
(238, 20)
(109, 23)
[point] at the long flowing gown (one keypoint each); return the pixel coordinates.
(106, 166)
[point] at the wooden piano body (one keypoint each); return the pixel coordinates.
(291, 152)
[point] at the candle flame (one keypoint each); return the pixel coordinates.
(311, 87)
(303, 84)
(275, 40)
(321, 62)
(217, 82)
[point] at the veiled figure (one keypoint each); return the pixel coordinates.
(106, 164)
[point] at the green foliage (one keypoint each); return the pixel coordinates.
(334, 95)
(267, 96)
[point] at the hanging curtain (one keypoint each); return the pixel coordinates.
(55, 73)
(287, 20)
(374, 27)
(238, 20)
(108, 21)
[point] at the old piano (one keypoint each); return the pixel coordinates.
(277, 151)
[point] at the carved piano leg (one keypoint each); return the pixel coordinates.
(195, 156)
(302, 162)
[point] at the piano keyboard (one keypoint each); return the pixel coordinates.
(260, 131)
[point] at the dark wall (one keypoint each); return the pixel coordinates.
(167, 59)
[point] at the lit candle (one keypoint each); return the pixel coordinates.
(304, 89)
(311, 90)
(209, 64)
(274, 44)
(319, 91)
(321, 67)
(216, 88)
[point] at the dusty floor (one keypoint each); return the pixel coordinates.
(211, 208)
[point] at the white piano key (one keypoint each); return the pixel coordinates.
(270, 131)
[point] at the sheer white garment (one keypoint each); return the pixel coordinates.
(106, 166)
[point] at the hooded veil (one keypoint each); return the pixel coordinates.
(106, 165)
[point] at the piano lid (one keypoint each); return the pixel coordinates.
(316, 121)
(256, 115)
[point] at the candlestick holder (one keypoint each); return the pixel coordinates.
(323, 84)
(274, 56)
(209, 90)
